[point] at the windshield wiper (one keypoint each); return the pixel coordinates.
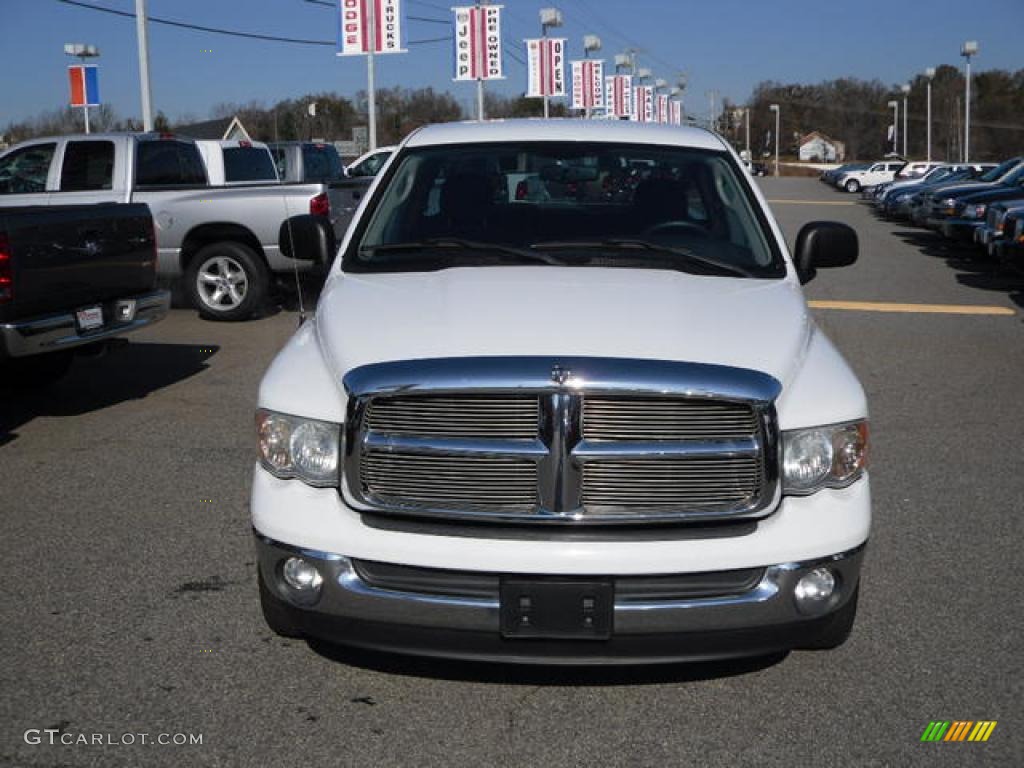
(646, 245)
(468, 245)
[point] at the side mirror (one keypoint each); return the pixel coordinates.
(307, 238)
(824, 244)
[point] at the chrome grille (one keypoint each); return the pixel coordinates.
(722, 481)
(542, 440)
(456, 416)
(478, 481)
(650, 419)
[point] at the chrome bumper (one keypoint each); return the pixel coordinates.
(55, 332)
(347, 603)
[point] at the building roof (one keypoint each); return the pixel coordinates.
(218, 129)
(565, 129)
(818, 135)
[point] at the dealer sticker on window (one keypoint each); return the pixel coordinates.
(89, 318)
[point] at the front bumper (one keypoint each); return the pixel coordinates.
(428, 620)
(60, 331)
(960, 229)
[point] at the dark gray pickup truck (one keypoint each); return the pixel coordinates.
(72, 276)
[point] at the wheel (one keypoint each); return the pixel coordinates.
(25, 373)
(837, 627)
(276, 612)
(852, 185)
(227, 281)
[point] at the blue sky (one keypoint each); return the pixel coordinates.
(726, 45)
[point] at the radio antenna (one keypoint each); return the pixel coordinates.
(291, 237)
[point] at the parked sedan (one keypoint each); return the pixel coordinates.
(1010, 249)
(969, 211)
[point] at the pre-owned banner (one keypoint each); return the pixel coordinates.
(354, 33)
(478, 42)
(545, 58)
(587, 84)
(619, 95)
(643, 103)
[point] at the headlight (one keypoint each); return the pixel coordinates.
(291, 446)
(974, 211)
(823, 457)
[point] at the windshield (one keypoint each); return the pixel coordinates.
(1000, 170)
(566, 204)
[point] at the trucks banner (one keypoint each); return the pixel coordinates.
(619, 93)
(354, 27)
(587, 84)
(478, 43)
(546, 67)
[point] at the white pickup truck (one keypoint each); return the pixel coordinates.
(225, 240)
(593, 426)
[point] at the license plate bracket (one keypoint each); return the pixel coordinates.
(556, 608)
(89, 318)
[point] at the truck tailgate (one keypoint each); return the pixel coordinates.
(345, 196)
(74, 255)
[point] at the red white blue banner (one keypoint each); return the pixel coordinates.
(619, 95)
(643, 103)
(355, 36)
(545, 59)
(478, 42)
(587, 84)
(84, 80)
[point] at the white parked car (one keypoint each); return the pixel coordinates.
(592, 426)
(876, 173)
(370, 163)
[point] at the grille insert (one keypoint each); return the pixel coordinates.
(651, 419)
(694, 484)
(507, 417)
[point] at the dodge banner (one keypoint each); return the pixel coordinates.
(354, 27)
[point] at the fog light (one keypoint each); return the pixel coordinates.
(815, 587)
(300, 575)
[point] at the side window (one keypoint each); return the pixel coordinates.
(876, 168)
(24, 171)
(88, 166)
(168, 163)
(248, 164)
(280, 161)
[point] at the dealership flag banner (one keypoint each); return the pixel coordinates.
(85, 85)
(661, 114)
(354, 27)
(478, 42)
(545, 57)
(675, 112)
(619, 95)
(587, 84)
(643, 103)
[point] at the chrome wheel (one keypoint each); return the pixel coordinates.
(221, 283)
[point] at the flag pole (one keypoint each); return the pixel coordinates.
(481, 62)
(371, 91)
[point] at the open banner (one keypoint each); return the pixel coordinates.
(545, 58)
(478, 42)
(354, 27)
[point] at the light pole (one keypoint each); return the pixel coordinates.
(930, 75)
(970, 48)
(906, 92)
(142, 33)
(83, 52)
(895, 107)
(746, 112)
(775, 108)
(550, 18)
(590, 43)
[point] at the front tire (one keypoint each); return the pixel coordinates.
(227, 281)
(852, 185)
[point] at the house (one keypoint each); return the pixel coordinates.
(222, 129)
(817, 147)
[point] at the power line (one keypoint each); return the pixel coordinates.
(232, 32)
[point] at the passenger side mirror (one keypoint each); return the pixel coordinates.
(824, 244)
(307, 238)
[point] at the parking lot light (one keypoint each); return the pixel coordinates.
(775, 108)
(906, 92)
(968, 49)
(929, 75)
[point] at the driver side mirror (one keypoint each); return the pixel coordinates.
(307, 238)
(821, 245)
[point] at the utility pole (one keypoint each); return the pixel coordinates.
(930, 75)
(142, 33)
(750, 159)
(371, 87)
(906, 92)
(775, 108)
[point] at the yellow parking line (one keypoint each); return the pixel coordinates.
(811, 202)
(936, 309)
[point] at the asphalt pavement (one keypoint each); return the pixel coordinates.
(129, 604)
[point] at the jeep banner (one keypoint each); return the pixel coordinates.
(587, 84)
(619, 95)
(478, 42)
(546, 67)
(354, 27)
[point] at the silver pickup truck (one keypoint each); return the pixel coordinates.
(225, 241)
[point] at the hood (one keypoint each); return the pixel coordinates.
(570, 311)
(992, 195)
(959, 190)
